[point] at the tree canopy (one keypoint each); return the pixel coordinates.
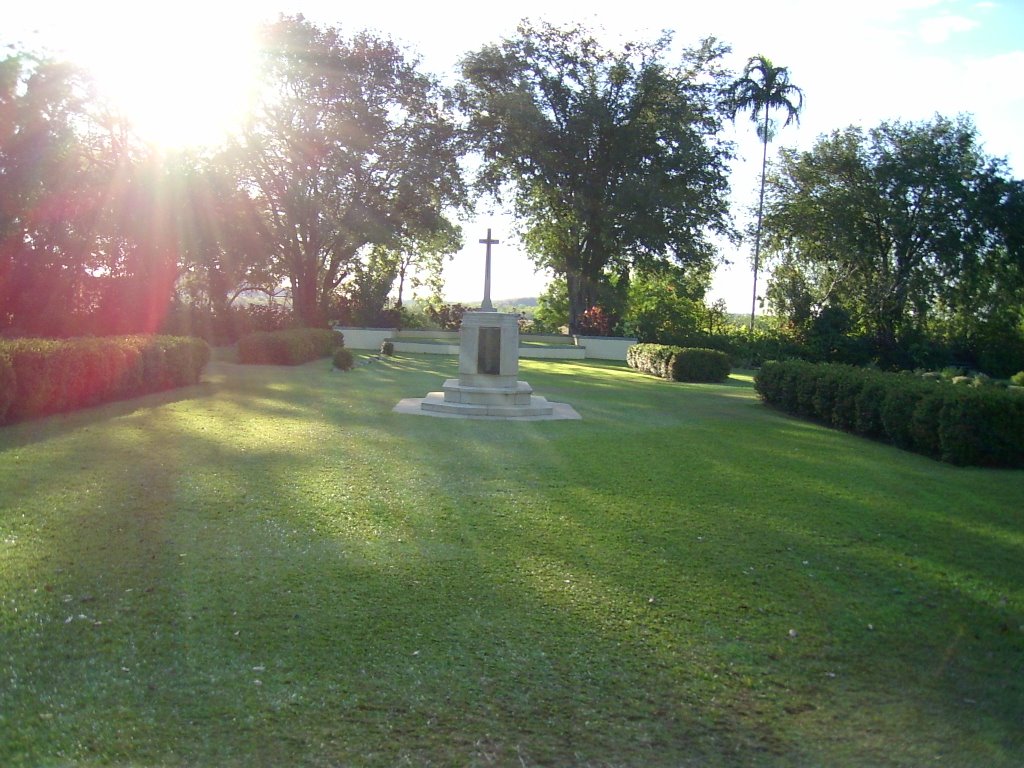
(352, 147)
(613, 158)
(900, 227)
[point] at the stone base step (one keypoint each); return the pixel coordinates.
(455, 391)
(438, 402)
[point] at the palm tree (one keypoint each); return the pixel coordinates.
(762, 88)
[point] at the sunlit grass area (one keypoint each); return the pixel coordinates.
(272, 568)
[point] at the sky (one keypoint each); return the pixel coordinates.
(858, 63)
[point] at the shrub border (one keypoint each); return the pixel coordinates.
(976, 426)
(39, 377)
(689, 364)
(294, 346)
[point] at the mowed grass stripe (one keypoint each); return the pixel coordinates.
(274, 568)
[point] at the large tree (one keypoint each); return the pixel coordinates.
(897, 226)
(45, 193)
(223, 239)
(761, 88)
(613, 158)
(351, 147)
(87, 233)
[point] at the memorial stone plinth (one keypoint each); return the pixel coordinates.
(488, 386)
(488, 383)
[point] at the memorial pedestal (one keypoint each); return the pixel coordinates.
(488, 386)
(488, 382)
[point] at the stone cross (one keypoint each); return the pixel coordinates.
(486, 305)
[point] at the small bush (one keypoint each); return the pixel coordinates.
(651, 358)
(387, 348)
(290, 347)
(679, 364)
(701, 365)
(1017, 379)
(594, 322)
(343, 359)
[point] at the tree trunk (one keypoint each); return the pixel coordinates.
(305, 302)
(760, 217)
(580, 298)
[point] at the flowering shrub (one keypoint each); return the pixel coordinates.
(595, 322)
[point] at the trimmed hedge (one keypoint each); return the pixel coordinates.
(980, 426)
(7, 382)
(292, 347)
(39, 377)
(679, 363)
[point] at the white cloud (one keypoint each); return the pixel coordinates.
(939, 29)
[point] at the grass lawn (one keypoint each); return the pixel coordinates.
(273, 569)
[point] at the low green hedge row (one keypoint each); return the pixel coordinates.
(979, 426)
(679, 363)
(42, 376)
(292, 347)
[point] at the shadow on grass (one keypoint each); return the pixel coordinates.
(289, 573)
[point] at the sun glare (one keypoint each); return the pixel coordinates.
(180, 79)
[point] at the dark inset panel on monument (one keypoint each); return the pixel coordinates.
(488, 359)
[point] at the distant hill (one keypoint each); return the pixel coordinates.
(503, 305)
(509, 304)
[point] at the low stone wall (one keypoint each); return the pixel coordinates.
(552, 353)
(366, 338)
(411, 334)
(447, 343)
(605, 347)
(424, 346)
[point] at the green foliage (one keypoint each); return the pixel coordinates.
(704, 365)
(343, 359)
(904, 238)
(552, 313)
(655, 359)
(958, 424)
(1018, 379)
(39, 377)
(666, 307)
(614, 158)
(45, 246)
(354, 147)
(678, 363)
(7, 383)
(761, 88)
(982, 427)
(290, 347)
